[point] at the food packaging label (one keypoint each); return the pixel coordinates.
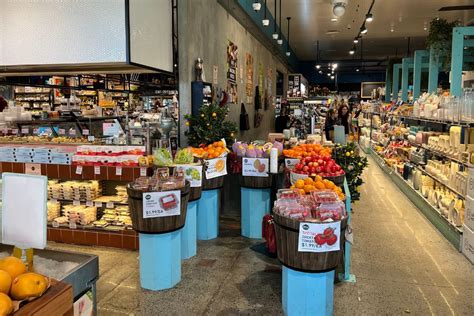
(97, 170)
(255, 167)
(319, 237)
(216, 167)
(192, 173)
(161, 204)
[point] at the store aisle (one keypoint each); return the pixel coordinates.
(402, 265)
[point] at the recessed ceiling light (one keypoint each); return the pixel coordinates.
(329, 75)
(332, 32)
(334, 66)
(320, 72)
(332, 77)
(334, 20)
(357, 69)
(318, 66)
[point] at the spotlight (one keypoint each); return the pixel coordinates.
(363, 30)
(334, 66)
(332, 77)
(256, 6)
(369, 18)
(320, 72)
(351, 52)
(318, 66)
(329, 75)
(357, 69)
(275, 36)
(339, 7)
(356, 40)
(288, 54)
(280, 41)
(266, 22)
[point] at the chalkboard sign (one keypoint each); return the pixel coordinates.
(366, 88)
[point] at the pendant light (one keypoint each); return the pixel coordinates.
(363, 29)
(275, 33)
(265, 21)
(256, 5)
(369, 17)
(280, 38)
(288, 53)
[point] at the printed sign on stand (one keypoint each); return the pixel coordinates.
(192, 173)
(161, 204)
(255, 167)
(216, 167)
(319, 237)
(290, 163)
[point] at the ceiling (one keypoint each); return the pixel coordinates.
(311, 20)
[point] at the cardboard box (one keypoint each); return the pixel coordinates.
(468, 243)
(469, 212)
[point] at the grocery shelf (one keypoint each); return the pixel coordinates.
(70, 172)
(452, 233)
(85, 201)
(462, 196)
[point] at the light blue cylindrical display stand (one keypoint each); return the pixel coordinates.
(160, 260)
(208, 215)
(188, 233)
(307, 293)
(255, 203)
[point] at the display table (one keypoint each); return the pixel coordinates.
(208, 209)
(160, 242)
(189, 232)
(255, 203)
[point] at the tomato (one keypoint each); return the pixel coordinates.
(320, 239)
(331, 240)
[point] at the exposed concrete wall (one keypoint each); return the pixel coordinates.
(204, 29)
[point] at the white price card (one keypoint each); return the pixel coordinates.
(118, 171)
(85, 132)
(76, 202)
(143, 172)
(79, 170)
(72, 132)
(35, 131)
(161, 204)
(291, 163)
(98, 204)
(61, 131)
(216, 167)
(5, 131)
(192, 173)
(91, 138)
(15, 131)
(72, 225)
(89, 203)
(319, 237)
(55, 224)
(96, 169)
(255, 167)
(110, 205)
(25, 130)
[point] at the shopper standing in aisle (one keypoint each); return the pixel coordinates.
(282, 122)
(331, 118)
(355, 120)
(344, 118)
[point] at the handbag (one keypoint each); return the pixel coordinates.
(268, 233)
(244, 119)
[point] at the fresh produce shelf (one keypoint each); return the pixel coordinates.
(452, 233)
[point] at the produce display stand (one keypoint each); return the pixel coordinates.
(208, 208)
(82, 278)
(307, 277)
(160, 242)
(189, 232)
(57, 300)
(255, 203)
(347, 276)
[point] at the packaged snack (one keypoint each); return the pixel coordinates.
(330, 211)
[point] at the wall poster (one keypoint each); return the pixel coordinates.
(232, 71)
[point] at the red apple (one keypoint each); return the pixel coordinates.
(305, 169)
(299, 166)
(310, 164)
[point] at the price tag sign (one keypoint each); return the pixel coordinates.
(5, 131)
(96, 169)
(85, 132)
(72, 225)
(291, 163)
(76, 203)
(61, 131)
(15, 131)
(72, 132)
(161, 204)
(143, 172)
(89, 203)
(216, 167)
(55, 224)
(118, 171)
(35, 131)
(192, 173)
(90, 138)
(98, 204)
(25, 130)
(319, 237)
(79, 170)
(255, 167)
(110, 205)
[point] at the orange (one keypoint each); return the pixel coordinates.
(320, 185)
(6, 304)
(5, 282)
(29, 285)
(13, 266)
(292, 187)
(308, 181)
(318, 178)
(299, 184)
(329, 184)
(302, 192)
(308, 188)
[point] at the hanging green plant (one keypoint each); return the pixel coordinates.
(440, 38)
(210, 126)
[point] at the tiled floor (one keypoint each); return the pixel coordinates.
(401, 262)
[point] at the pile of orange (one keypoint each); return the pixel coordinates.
(305, 150)
(214, 150)
(309, 185)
